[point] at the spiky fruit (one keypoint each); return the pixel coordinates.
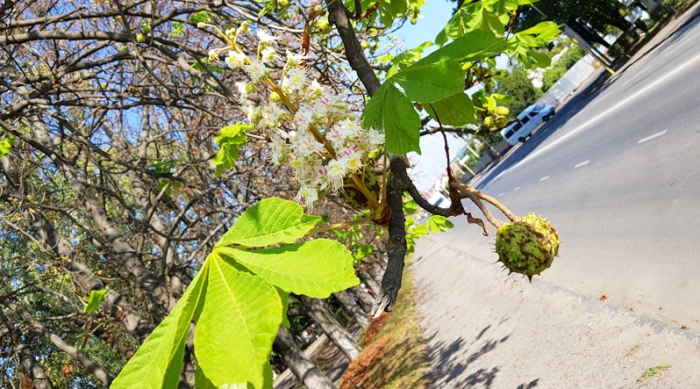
(527, 246)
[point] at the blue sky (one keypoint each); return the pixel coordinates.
(431, 164)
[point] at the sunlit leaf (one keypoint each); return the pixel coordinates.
(315, 268)
(239, 321)
(158, 361)
(271, 221)
(96, 298)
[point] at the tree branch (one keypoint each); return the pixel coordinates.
(88, 364)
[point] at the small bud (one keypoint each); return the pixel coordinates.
(274, 96)
(201, 25)
(140, 38)
(503, 111)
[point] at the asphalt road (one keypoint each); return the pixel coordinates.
(617, 172)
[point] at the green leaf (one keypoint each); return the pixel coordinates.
(315, 268)
(229, 140)
(542, 60)
(472, 46)
(437, 223)
(363, 251)
(201, 16)
(420, 229)
(239, 321)
(431, 82)
(545, 30)
(391, 111)
(268, 222)
(456, 110)
(158, 361)
(284, 298)
(410, 207)
(5, 147)
(96, 297)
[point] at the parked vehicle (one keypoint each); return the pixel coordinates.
(521, 128)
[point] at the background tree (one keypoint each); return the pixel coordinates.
(519, 86)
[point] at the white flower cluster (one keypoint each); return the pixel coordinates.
(309, 127)
(324, 142)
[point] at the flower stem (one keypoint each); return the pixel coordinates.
(337, 226)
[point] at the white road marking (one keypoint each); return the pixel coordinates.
(610, 110)
(501, 194)
(650, 137)
(544, 178)
(517, 188)
(581, 164)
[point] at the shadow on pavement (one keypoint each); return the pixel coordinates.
(452, 363)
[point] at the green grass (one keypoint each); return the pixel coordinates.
(653, 372)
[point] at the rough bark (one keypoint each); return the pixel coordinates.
(353, 308)
(338, 335)
(305, 370)
(353, 49)
(396, 247)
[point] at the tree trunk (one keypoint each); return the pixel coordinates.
(339, 335)
(366, 299)
(302, 367)
(369, 280)
(353, 308)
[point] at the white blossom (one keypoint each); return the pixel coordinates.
(265, 37)
(351, 159)
(304, 144)
(256, 70)
(235, 60)
(315, 89)
(267, 54)
(243, 89)
(272, 114)
(302, 118)
(278, 149)
(294, 80)
(309, 194)
(374, 137)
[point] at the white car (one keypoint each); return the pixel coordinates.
(526, 122)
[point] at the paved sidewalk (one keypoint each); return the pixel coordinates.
(486, 329)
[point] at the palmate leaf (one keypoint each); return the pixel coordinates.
(239, 321)
(268, 222)
(472, 46)
(431, 82)
(456, 110)
(391, 111)
(158, 361)
(315, 268)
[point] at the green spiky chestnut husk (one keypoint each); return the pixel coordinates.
(527, 246)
